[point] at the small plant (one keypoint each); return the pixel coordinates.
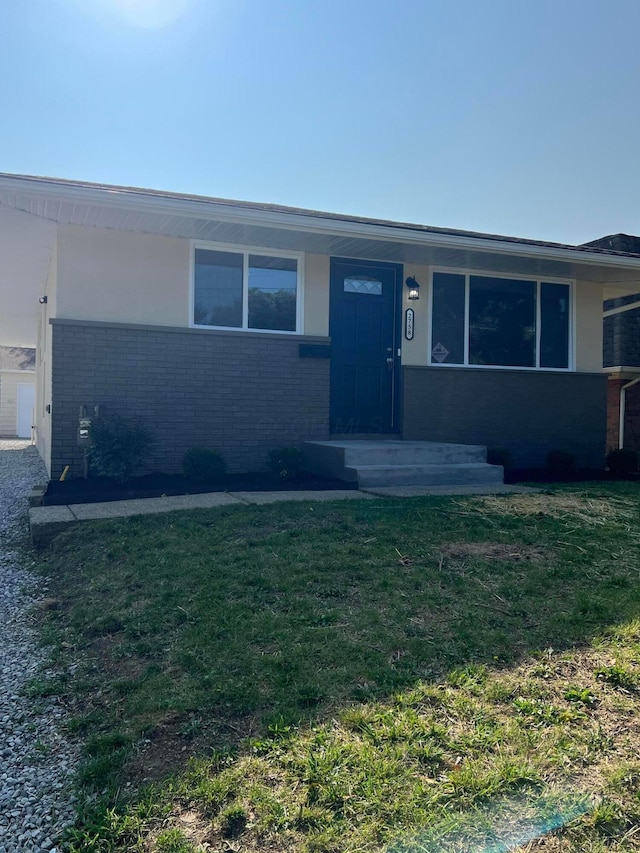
(285, 462)
(579, 695)
(618, 676)
(623, 462)
(174, 841)
(561, 463)
(201, 464)
(498, 456)
(118, 447)
(234, 822)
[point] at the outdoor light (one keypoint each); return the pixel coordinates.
(414, 287)
(43, 300)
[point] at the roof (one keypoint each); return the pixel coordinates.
(618, 242)
(115, 192)
(17, 358)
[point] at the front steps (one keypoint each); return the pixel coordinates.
(375, 463)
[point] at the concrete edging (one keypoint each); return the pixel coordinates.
(46, 522)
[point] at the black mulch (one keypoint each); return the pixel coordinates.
(99, 489)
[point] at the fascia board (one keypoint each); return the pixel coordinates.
(211, 210)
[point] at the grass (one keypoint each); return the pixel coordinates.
(427, 674)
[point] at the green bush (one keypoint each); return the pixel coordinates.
(118, 448)
(622, 462)
(202, 464)
(497, 456)
(561, 463)
(285, 462)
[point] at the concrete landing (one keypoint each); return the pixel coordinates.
(381, 463)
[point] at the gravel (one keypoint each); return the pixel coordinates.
(36, 759)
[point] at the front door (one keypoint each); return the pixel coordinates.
(364, 357)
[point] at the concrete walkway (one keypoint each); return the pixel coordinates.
(48, 521)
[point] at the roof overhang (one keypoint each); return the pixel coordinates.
(244, 223)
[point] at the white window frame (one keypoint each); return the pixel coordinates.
(245, 251)
(571, 282)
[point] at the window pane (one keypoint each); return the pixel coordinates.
(363, 284)
(273, 284)
(554, 325)
(502, 321)
(218, 289)
(447, 339)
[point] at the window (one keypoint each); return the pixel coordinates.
(499, 322)
(245, 290)
(363, 284)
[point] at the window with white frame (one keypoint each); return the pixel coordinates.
(498, 321)
(246, 290)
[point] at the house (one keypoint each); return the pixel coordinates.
(621, 356)
(17, 391)
(245, 326)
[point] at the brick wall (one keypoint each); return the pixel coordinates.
(632, 417)
(527, 413)
(240, 393)
(613, 412)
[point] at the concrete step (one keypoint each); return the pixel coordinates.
(352, 453)
(395, 462)
(464, 473)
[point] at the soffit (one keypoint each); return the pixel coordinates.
(330, 237)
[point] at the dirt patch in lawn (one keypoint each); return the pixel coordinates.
(513, 553)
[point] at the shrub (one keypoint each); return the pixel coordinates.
(202, 464)
(118, 447)
(285, 462)
(622, 462)
(497, 456)
(561, 463)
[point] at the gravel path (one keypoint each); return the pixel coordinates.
(36, 762)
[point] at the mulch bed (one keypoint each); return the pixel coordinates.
(100, 489)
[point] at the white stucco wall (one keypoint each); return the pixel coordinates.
(122, 276)
(44, 360)
(588, 313)
(26, 243)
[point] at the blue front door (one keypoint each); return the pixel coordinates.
(363, 322)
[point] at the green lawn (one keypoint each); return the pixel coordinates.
(428, 674)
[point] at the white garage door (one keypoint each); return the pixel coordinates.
(26, 403)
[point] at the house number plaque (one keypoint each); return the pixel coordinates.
(408, 324)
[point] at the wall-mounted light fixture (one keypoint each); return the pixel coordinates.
(414, 287)
(43, 300)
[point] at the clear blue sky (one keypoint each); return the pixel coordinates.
(518, 117)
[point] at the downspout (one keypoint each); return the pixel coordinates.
(623, 401)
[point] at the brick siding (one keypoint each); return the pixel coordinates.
(526, 413)
(240, 393)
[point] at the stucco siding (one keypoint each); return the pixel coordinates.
(588, 347)
(122, 276)
(316, 294)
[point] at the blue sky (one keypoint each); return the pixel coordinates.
(511, 116)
